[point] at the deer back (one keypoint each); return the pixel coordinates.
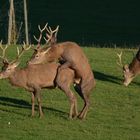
(42, 75)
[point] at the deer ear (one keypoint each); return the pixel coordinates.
(35, 49)
(15, 64)
(5, 62)
(38, 46)
(126, 68)
(53, 40)
(47, 50)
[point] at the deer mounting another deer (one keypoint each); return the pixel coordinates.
(70, 55)
(132, 70)
(35, 77)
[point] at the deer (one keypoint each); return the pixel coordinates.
(69, 55)
(33, 78)
(132, 70)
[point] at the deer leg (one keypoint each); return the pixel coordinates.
(75, 111)
(64, 80)
(39, 102)
(81, 89)
(73, 105)
(33, 104)
(84, 111)
(73, 101)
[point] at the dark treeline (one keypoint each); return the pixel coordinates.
(87, 22)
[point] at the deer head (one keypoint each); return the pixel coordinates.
(128, 75)
(127, 72)
(39, 55)
(9, 67)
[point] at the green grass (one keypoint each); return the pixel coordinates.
(114, 113)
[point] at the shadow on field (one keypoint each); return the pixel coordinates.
(17, 103)
(110, 78)
(106, 77)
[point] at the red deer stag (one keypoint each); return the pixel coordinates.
(69, 54)
(35, 77)
(132, 70)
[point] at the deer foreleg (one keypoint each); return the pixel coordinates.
(33, 104)
(39, 102)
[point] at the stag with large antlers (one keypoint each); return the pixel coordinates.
(35, 77)
(70, 55)
(132, 70)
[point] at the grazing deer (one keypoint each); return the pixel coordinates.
(70, 55)
(132, 70)
(35, 77)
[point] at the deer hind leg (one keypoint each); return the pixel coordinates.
(87, 86)
(84, 111)
(73, 103)
(83, 90)
(64, 80)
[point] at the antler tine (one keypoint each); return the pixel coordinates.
(3, 50)
(53, 31)
(56, 30)
(26, 48)
(38, 39)
(120, 59)
(50, 33)
(20, 53)
(41, 31)
(49, 38)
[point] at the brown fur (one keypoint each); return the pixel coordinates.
(35, 77)
(74, 58)
(132, 70)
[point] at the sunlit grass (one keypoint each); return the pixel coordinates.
(114, 113)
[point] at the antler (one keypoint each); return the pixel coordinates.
(20, 53)
(120, 59)
(41, 31)
(3, 51)
(50, 34)
(24, 48)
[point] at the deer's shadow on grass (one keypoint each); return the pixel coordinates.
(110, 78)
(105, 77)
(19, 103)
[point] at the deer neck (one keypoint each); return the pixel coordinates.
(59, 49)
(56, 52)
(17, 77)
(134, 66)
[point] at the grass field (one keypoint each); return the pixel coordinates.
(114, 113)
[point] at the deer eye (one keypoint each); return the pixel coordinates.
(37, 56)
(8, 69)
